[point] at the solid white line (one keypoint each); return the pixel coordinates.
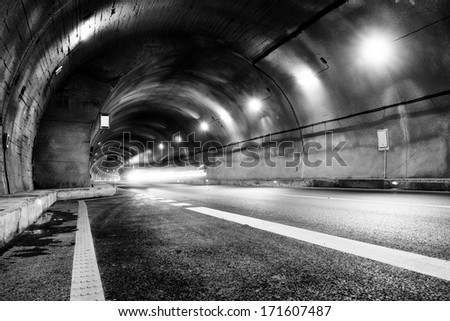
(365, 201)
(167, 201)
(180, 204)
(406, 260)
(86, 282)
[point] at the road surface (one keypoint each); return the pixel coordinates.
(184, 242)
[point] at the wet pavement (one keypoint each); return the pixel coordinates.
(37, 264)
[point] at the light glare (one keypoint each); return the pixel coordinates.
(255, 104)
(307, 78)
(225, 116)
(86, 31)
(147, 176)
(204, 126)
(376, 50)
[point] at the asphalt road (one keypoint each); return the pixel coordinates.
(150, 246)
(165, 242)
(415, 222)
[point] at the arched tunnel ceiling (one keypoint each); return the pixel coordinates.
(171, 64)
(173, 93)
(69, 34)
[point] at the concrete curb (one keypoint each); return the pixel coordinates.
(410, 184)
(19, 211)
(78, 193)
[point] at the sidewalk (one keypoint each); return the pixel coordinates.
(20, 210)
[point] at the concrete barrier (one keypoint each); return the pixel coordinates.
(418, 184)
(19, 211)
(88, 192)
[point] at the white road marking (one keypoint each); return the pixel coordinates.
(180, 204)
(167, 201)
(156, 198)
(414, 262)
(365, 201)
(86, 282)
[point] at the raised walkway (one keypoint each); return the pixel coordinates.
(18, 211)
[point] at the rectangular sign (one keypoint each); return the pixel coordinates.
(104, 121)
(383, 139)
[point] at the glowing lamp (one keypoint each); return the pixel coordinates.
(376, 50)
(204, 126)
(254, 104)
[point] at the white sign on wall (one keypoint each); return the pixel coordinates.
(104, 121)
(383, 139)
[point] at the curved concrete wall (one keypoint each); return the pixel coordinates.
(61, 152)
(37, 38)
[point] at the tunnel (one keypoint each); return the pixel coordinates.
(271, 94)
(159, 69)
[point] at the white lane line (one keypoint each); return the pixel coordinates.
(167, 201)
(156, 198)
(86, 282)
(406, 260)
(365, 201)
(180, 204)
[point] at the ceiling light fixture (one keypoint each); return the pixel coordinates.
(254, 104)
(204, 126)
(376, 50)
(58, 70)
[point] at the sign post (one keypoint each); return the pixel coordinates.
(383, 145)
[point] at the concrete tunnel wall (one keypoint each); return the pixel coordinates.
(419, 131)
(61, 153)
(424, 155)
